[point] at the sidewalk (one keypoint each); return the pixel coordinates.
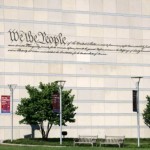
(9, 144)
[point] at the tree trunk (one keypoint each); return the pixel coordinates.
(49, 126)
(43, 132)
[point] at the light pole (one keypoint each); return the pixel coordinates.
(11, 87)
(137, 78)
(61, 85)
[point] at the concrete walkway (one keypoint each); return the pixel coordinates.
(9, 144)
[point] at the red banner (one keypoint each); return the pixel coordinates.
(56, 103)
(5, 104)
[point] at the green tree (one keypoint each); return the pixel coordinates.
(146, 112)
(38, 109)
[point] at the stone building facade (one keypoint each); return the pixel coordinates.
(96, 46)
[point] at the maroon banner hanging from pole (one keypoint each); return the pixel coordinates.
(134, 94)
(56, 103)
(5, 104)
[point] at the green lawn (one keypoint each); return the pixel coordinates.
(2, 147)
(53, 144)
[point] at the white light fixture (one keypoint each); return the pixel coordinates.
(61, 84)
(137, 82)
(12, 87)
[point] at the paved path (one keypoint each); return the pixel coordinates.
(29, 145)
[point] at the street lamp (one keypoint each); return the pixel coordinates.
(137, 80)
(61, 84)
(11, 87)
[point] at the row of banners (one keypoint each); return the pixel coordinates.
(5, 103)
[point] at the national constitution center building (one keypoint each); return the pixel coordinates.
(96, 46)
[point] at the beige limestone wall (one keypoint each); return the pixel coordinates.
(101, 83)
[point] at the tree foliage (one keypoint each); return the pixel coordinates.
(37, 109)
(146, 112)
